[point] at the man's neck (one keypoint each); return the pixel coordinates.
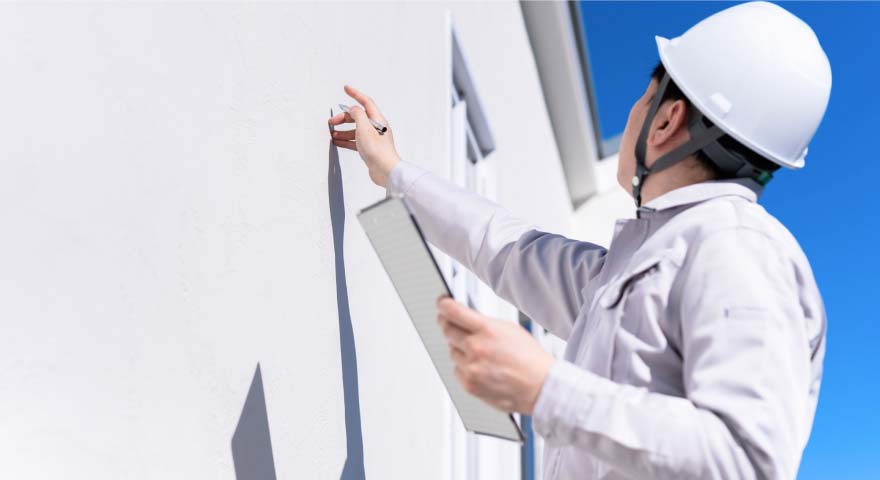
(679, 175)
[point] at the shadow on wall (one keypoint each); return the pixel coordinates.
(251, 444)
(354, 442)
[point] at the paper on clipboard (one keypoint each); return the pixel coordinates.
(402, 249)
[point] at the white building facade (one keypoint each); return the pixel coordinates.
(185, 291)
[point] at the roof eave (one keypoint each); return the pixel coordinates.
(559, 48)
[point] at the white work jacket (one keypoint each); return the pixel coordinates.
(694, 342)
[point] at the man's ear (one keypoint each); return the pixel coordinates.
(671, 118)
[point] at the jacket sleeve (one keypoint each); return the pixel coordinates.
(541, 273)
(746, 372)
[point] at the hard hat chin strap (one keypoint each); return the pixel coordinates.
(698, 140)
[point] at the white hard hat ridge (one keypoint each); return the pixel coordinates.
(759, 73)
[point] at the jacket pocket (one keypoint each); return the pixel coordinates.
(614, 292)
(634, 305)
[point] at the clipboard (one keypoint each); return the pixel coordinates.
(403, 251)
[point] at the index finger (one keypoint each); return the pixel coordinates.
(368, 103)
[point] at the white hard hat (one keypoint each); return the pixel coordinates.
(758, 73)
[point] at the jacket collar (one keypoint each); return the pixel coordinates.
(700, 192)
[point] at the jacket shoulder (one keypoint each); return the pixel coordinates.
(732, 216)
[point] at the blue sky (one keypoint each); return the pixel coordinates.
(828, 206)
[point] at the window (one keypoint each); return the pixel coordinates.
(471, 143)
(465, 162)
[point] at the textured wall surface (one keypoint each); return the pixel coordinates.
(185, 291)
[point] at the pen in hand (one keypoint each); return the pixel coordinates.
(378, 126)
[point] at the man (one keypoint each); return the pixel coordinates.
(695, 342)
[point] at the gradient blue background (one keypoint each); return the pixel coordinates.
(829, 205)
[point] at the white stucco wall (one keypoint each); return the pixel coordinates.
(169, 197)
(594, 220)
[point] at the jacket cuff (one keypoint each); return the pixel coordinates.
(559, 401)
(402, 177)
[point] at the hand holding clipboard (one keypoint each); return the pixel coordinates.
(401, 247)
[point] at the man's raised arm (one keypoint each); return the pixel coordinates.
(541, 273)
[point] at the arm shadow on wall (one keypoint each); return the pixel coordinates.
(251, 443)
(354, 442)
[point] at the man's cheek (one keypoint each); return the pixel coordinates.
(625, 161)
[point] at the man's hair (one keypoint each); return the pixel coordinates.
(731, 144)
